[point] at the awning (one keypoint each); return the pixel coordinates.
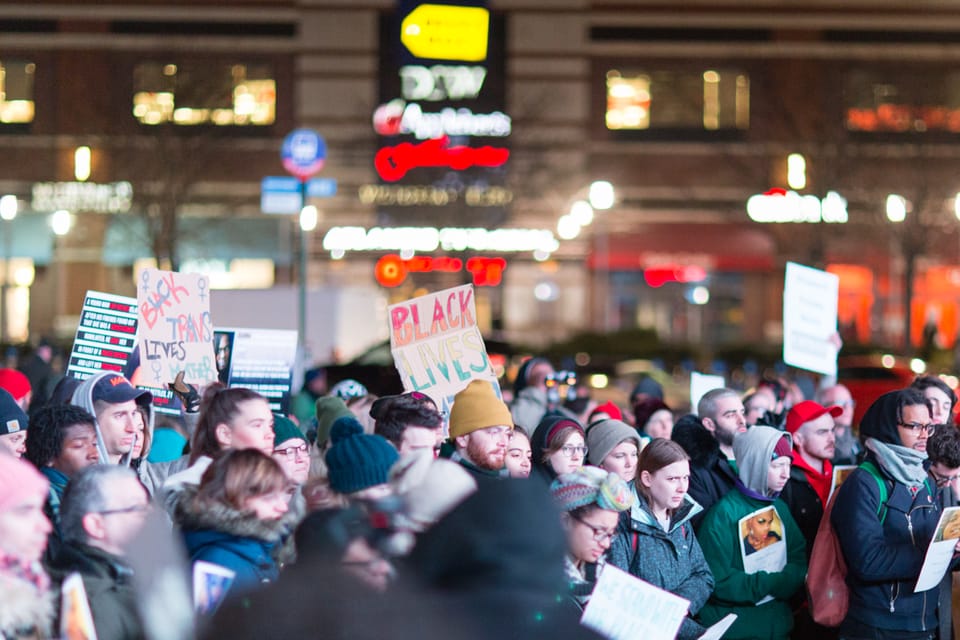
(202, 239)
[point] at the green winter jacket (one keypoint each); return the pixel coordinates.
(736, 591)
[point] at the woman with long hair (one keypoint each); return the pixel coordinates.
(657, 542)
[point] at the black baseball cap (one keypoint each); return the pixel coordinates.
(115, 389)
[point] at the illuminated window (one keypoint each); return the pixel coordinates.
(16, 91)
(902, 102)
(711, 99)
(199, 93)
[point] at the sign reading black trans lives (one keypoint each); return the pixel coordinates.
(443, 134)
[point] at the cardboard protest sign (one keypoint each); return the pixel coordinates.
(810, 300)
(105, 336)
(437, 346)
(259, 359)
(176, 332)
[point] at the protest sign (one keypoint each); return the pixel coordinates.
(700, 383)
(437, 346)
(623, 607)
(940, 552)
(840, 473)
(76, 621)
(259, 359)
(105, 336)
(763, 544)
(176, 332)
(210, 585)
(810, 319)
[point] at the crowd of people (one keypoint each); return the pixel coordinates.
(362, 517)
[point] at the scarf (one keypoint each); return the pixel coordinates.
(31, 572)
(902, 464)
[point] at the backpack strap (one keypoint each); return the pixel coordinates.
(871, 468)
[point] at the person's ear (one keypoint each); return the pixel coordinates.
(93, 525)
(462, 441)
(646, 478)
(709, 424)
(224, 435)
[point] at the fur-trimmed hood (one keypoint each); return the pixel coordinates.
(24, 611)
(696, 440)
(193, 514)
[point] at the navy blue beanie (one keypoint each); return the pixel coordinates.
(356, 460)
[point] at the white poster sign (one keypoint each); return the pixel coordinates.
(810, 319)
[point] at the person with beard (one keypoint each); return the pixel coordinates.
(847, 446)
(760, 598)
(708, 440)
(480, 426)
(884, 542)
(811, 473)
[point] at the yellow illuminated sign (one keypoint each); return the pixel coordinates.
(446, 32)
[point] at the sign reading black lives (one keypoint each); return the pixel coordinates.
(443, 133)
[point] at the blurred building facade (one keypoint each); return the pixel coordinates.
(690, 110)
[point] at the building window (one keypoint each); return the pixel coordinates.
(16, 91)
(710, 100)
(202, 93)
(884, 102)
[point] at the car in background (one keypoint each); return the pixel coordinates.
(869, 377)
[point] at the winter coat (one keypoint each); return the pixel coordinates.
(236, 540)
(804, 503)
(884, 552)
(25, 612)
(720, 537)
(83, 398)
(540, 441)
(711, 474)
(108, 582)
(671, 560)
(736, 591)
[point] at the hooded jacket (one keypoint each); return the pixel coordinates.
(711, 474)
(83, 398)
(719, 534)
(539, 442)
(233, 539)
(671, 560)
(884, 558)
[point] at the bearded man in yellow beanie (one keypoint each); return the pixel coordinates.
(480, 426)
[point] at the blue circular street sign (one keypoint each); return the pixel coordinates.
(303, 153)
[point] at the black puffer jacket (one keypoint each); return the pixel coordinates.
(711, 475)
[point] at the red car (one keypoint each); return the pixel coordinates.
(869, 377)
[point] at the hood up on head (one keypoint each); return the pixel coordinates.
(551, 424)
(754, 450)
(881, 418)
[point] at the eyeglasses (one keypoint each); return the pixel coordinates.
(943, 480)
(917, 427)
(137, 508)
(600, 535)
(569, 450)
(291, 452)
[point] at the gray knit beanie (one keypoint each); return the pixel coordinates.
(603, 437)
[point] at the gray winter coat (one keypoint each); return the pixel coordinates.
(671, 560)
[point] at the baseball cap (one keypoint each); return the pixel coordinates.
(115, 389)
(806, 411)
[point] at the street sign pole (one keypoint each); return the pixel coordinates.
(302, 291)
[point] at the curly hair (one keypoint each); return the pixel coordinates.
(48, 427)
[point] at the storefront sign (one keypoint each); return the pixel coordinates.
(780, 205)
(115, 197)
(392, 270)
(392, 163)
(446, 32)
(429, 196)
(399, 117)
(441, 82)
(427, 239)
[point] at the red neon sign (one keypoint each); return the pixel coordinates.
(659, 276)
(392, 163)
(391, 270)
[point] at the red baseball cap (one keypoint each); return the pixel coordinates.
(806, 411)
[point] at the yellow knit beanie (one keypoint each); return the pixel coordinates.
(477, 407)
